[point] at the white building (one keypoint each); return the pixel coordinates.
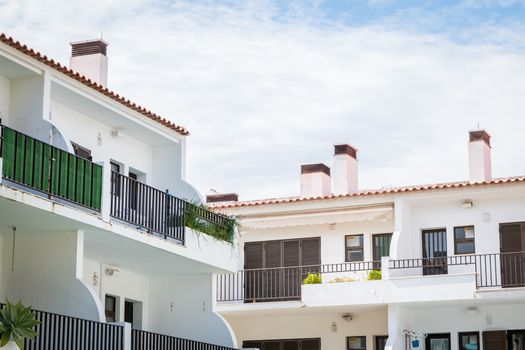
(451, 258)
(97, 222)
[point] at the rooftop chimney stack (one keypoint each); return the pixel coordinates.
(89, 59)
(345, 169)
(315, 180)
(480, 164)
(222, 197)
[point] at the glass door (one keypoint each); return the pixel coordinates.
(438, 342)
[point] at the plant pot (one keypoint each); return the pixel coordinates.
(11, 345)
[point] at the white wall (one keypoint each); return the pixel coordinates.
(5, 95)
(332, 241)
(123, 284)
(182, 306)
(45, 270)
(448, 213)
(84, 131)
(452, 319)
(366, 322)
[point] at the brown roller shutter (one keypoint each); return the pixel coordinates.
(512, 241)
(252, 345)
(311, 248)
(494, 340)
(272, 345)
(311, 344)
(253, 255)
(290, 345)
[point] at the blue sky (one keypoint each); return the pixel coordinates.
(266, 86)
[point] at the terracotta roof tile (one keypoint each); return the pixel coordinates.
(86, 81)
(374, 192)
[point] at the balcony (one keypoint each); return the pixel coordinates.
(50, 171)
(57, 331)
(286, 283)
(42, 169)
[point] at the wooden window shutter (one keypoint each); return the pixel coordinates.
(252, 344)
(272, 345)
(253, 255)
(291, 255)
(311, 254)
(494, 340)
(290, 345)
(273, 254)
(311, 344)
(511, 238)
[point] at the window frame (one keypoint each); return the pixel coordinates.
(464, 240)
(362, 246)
(438, 336)
(355, 336)
(112, 313)
(460, 334)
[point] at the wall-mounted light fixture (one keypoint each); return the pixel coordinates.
(347, 317)
(467, 203)
(110, 271)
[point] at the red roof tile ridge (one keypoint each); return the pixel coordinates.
(89, 83)
(371, 192)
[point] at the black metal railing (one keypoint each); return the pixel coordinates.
(492, 270)
(161, 213)
(50, 170)
(65, 332)
(142, 340)
(280, 283)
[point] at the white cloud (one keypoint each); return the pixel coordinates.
(262, 96)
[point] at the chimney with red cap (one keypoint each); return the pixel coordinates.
(345, 169)
(315, 180)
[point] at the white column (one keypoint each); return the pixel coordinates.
(127, 335)
(106, 190)
(385, 268)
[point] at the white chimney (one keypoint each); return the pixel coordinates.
(345, 169)
(89, 59)
(479, 151)
(315, 180)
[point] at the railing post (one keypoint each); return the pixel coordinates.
(385, 268)
(126, 335)
(106, 191)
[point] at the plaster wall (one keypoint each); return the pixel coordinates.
(124, 285)
(453, 319)
(485, 215)
(79, 128)
(332, 241)
(307, 324)
(182, 305)
(44, 273)
(5, 96)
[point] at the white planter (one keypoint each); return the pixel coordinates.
(10, 346)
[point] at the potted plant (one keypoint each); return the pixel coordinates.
(17, 323)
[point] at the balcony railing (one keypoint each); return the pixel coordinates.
(50, 170)
(161, 213)
(504, 270)
(64, 332)
(142, 340)
(283, 283)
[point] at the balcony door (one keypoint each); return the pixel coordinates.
(435, 252)
(512, 247)
(272, 270)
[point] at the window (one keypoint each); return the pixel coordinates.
(354, 248)
(115, 178)
(380, 342)
(437, 341)
(381, 248)
(356, 343)
(133, 190)
(81, 152)
(464, 240)
(286, 344)
(111, 308)
(468, 340)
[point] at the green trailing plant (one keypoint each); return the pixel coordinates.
(313, 278)
(194, 220)
(374, 275)
(17, 322)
